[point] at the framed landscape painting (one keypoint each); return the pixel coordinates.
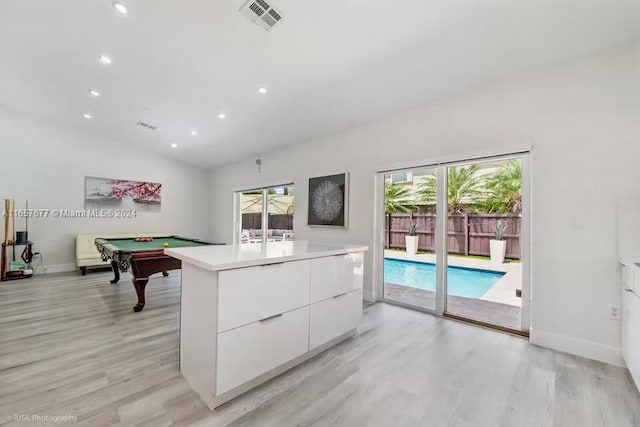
(328, 201)
(107, 193)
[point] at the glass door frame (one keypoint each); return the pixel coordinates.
(237, 211)
(438, 305)
(440, 240)
(441, 230)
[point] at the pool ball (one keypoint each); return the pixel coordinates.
(166, 244)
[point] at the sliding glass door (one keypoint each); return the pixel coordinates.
(484, 204)
(410, 238)
(455, 241)
(251, 207)
(280, 204)
(265, 214)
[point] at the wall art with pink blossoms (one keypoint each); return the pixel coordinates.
(107, 193)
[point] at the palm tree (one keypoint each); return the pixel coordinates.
(397, 198)
(463, 188)
(504, 189)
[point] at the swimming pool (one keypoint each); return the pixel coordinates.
(461, 281)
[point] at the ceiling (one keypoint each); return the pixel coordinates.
(327, 65)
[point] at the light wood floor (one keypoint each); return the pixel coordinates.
(71, 345)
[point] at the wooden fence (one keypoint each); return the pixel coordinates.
(253, 221)
(469, 234)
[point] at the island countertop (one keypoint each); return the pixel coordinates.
(226, 257)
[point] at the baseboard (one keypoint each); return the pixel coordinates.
(58, 268)
(576, 346)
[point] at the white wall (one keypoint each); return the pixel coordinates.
(582, 120)
(46, 164)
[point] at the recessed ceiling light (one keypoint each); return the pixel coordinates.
(263, 90)
(194, 132)
(222, 116)
(174, 145)
(120, 7)
(105, 59)
(87, 116)
(94, 92)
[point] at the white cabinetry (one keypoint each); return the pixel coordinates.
(334, 316)
(242, 326)
(631, 325)
(250, 351)
(335, 275)
(253, 293)
(629, 255)
(336, 296)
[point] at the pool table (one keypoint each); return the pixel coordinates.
(144, 259)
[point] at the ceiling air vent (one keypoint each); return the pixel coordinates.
(261, 13)
(146, 125)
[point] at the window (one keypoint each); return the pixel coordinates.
(265, 214)
(401, 177)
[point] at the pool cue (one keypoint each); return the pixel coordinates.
(26, 220)
(13, 226)
(6, 221)
(3, 261)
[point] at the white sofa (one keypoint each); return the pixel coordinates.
(87, 255)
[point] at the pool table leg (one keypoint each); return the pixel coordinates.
(116, 272)
(139, 284)
(165, 273)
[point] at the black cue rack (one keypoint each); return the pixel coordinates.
(5, 273)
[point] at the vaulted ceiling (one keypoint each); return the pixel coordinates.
(328, 64)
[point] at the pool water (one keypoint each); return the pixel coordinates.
(461, 281)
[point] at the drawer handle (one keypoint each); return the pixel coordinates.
(273, 263)
(341, 295)
(266, 319)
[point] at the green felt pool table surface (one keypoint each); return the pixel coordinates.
(143, 258)
(157, 243)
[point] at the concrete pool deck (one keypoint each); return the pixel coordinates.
(498, 305)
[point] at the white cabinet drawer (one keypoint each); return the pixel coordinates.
(247, 295)
(335, 275)
(625, 276)
(627, 333)
(634, 279)
(247, 352)
(631, 334)
(333, 317)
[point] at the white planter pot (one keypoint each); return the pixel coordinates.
(498, 249)
(411, 244)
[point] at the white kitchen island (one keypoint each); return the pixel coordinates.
(250, 312)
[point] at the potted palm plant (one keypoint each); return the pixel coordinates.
(411, 240)
(498, 246)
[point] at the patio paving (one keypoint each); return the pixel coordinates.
(499, 305)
